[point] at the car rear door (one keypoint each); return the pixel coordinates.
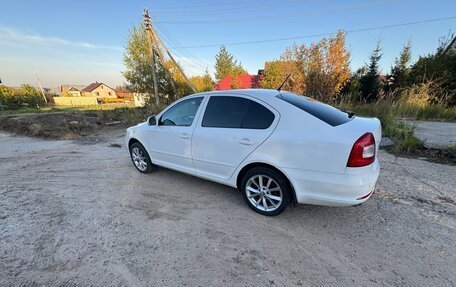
(229, 130)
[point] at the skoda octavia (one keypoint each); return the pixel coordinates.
(275, 147)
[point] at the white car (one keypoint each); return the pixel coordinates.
(276, 147)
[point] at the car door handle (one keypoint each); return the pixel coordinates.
(245, 141)
(185, 136)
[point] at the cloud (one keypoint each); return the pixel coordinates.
(13, 35)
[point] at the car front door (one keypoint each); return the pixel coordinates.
(170, 141)
(230, 129)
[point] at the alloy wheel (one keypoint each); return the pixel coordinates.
(139, 158)
(264, 193)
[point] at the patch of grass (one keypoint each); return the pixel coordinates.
(400, 133)
(72, 123)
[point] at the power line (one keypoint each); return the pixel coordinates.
(178, 45)
(284, 16)
(189, 66)
(320, 35)
(229, 3)
(237, 10)
(189, 63)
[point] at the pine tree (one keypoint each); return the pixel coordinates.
(401, 69)
(370, 83)
(226, 65)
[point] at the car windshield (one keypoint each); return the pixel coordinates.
(324, 112)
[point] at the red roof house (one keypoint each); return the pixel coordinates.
(239, 82)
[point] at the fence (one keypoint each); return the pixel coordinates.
(76, 101)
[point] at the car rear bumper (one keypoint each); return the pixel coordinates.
(330, 189)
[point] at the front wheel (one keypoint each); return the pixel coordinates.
(140, 158)
(265, 190)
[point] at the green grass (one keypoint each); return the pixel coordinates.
(400, 133)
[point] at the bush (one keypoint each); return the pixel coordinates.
(25, 96)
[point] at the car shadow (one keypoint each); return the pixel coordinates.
(230, 200)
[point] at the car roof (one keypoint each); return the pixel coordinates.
(256, 93)
(247, 92)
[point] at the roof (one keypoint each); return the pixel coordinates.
(91, 87)
(123, 90)
(66, 87)
(243, 82)
(73, 89)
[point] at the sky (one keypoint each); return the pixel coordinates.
(79, 42)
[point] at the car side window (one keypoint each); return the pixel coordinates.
(181, 114)
(236, 112)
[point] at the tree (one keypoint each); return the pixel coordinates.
(438, 71)
(275, 73)
(353, 86)
(320, 70)
(138, 66)
(202, 83)
(26, 95)
(401, 70)
(226, 65)
(370, 83)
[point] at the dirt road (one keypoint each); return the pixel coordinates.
(78, 213)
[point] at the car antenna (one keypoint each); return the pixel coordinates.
(283, 83)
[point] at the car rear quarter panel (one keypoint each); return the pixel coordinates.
(301, 141)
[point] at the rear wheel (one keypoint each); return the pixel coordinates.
(265, 190)
(140, 158)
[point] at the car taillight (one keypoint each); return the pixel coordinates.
(363, 151)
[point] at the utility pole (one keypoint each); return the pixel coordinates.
(152, 54)
(41, 88)
(162, 59)
(174, 61)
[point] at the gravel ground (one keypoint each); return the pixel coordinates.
(78, 213)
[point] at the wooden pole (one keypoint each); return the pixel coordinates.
(162, 59)
(152, 54)
(41, 88)
(174, 61)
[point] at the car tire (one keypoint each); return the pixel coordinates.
(140, 158)
(265, 190)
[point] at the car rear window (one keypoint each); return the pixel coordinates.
(324, 112)
(236, 112)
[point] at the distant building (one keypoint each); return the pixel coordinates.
(125, 93)
(74, 92)
(63, 91)
(99, 90)
(239, 82)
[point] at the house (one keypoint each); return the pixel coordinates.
(99, 90)
(239, 82)
(74, 92)
(125, 93)
(63, 90)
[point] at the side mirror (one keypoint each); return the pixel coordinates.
(152, 121)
